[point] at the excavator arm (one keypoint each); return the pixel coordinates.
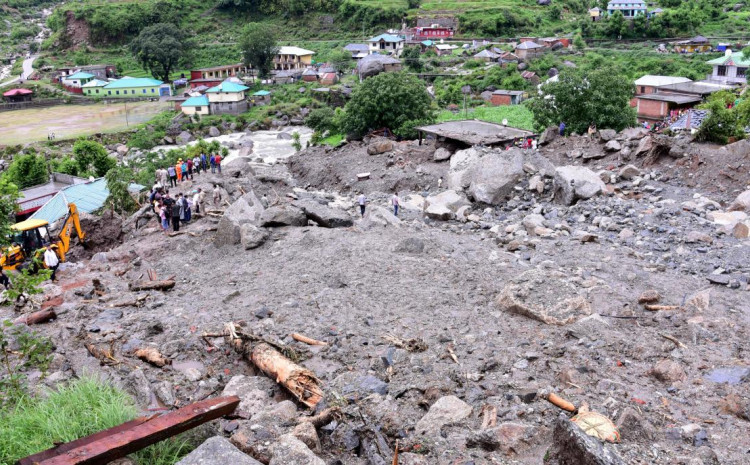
(66, 231)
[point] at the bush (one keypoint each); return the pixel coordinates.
(27, 170)
(83, 407)
(322, 120)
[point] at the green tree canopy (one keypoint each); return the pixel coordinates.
(412, 56)
(27, 170)
(118, 178)
(91, 158)
(396, 101)
(8, 208)
(161, 48)
(600, 96)
(259, 47)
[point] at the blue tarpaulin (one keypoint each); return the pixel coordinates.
(88, 197)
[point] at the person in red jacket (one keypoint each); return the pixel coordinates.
(190, 168)
(218, 162)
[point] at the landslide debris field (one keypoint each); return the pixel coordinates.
(613, 274)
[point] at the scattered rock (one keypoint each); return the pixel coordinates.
(252, 237)
(572, 183)
(323, 215)
(629, 172)
(545, 296)
(448, 410)
(606, 135)
(444, 205)
(217, 450)
(286, 215)
(612, 146)
(634, 428)
(245, 210)
(668, 371)
(184, 138)
(213, 131)
(379, 146)
(650, 296)
(288, 450)
(442, 154)
(548, 135)
(509, 438)
(411, 245)
(572, 446)
(493, 179)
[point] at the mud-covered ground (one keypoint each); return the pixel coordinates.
(674, 380)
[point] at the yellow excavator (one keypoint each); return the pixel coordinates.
(30, 237)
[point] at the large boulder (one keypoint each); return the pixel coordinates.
(441, 154)
(606, 135)
(237, 167)
(448, 410)
(444, 205)
(217, 450)
(612, 146)
(213, 131)
(460, 166)
(572, 446)
(634, 133)
(324, 215)
(370, 68)
(379, 146)
(495, 176)
(544, 295)
(184, 138)
(245, 210)
(741, 203)
(251, 236)
(283, 216)
(548, 135)
(377, 216)
(572, 183)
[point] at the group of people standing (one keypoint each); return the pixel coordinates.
(178, 209)
(185, 169)
(363, 201)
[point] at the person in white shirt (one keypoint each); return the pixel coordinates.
(51, 260)
(362, 200)
(197, 200)
(395, 201)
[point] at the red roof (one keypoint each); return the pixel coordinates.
(14, 92)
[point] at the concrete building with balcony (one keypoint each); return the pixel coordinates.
(628, 8)
(292, 58)
(387, 44)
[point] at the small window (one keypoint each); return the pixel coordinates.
(643, 89)
(741, 72)
(117, 92)
(198, 108)
(152, 91)
(721, 71)
(144, 91)
(109, 92)
(97, 91)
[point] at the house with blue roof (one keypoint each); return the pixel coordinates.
(196, 106)
(227, 98)
(628, 8)
(386, 44)
(128, 87)
(75, 82)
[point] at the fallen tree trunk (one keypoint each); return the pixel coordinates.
(42, 316)
(165, 285)
(117, 442)
(300, 381)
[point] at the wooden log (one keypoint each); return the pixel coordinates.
(118, 444)
(300, 381)
(152, 356)
(42, 316)
(558, 401)
(164, 285)
(656, 308)
(308, 340)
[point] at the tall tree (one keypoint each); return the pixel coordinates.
(601, 96)
(91, 158)
(161, 49)
(120, 200)
(396, 101)
(8, 207)
(259, 47)
(28, 170)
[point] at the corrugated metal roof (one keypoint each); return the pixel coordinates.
(386, 38)
(201, 101)
(79, 75)
(88, 197)
(262, 93)
(133, 82)
(227, 86)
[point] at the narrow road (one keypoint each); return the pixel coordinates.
(28, 70)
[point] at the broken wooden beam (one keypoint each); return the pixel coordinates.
(133, 436)
(42, 316)
(308, 340)
(300, 381)
(164, 285)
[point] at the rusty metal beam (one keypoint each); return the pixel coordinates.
(136, 435)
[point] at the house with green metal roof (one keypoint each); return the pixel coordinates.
(128, 87)
(76, 81)
(730, 69)
(94, 88)
(196, 106)
(228, 97)
(386, 43)
(262, 97)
